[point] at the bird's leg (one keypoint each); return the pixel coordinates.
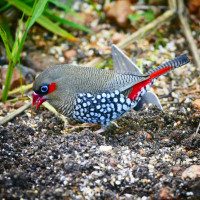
(136, 55)
(170, 92)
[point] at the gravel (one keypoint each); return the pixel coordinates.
(144, 159)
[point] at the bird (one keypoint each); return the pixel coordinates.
(97, 96)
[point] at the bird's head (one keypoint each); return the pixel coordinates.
(41, 94)
(46, 86)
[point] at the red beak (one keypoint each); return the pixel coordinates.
(39, 99)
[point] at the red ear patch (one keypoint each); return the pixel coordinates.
(52, 87)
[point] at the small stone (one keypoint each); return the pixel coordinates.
(196, 103)
(144, 133)
(119, 12)
(16, 79)
(113, 162)
(87, 155)
(187, 100)
(51, 125)
(19, 104)
(177, 170)
(105, 148)
(191, 172)
(7, 106)
(117, 37)
(117, 182)
(61, 59)
(70, 53)
(165, 193)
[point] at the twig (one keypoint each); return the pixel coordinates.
(187, 32)
(147, 29)
(19, 89)
(15, 113)
(147, 7)
(172, 4)
(140, 33)
(198, 128)
(170, 102)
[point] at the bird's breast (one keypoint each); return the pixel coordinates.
(101, 108)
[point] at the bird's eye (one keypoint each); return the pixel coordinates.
(44, 89)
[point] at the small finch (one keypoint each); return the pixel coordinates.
(98, 96)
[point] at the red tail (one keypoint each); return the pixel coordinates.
(160, 72)
(172, 64)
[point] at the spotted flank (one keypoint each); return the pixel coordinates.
(104, 107)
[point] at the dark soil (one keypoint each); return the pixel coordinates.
(144, 159)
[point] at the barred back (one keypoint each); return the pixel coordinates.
(169, 65)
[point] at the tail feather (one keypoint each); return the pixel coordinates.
(165, 67)
(169, 65)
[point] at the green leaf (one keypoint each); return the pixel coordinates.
(149, 15)
(6, 43)
(43, 21)
(134, 17)
(6, 6)
(5, 25)
(37, 11)
(18, 45)
(66, 22)
(65, 7)
(96, 9)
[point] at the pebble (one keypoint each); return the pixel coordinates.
(61, 59)
(70, 53)
(191, 172)
(92, 172)
(105, 148)
(196, 103)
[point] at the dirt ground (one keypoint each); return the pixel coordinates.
(143, 159)
(145, 155)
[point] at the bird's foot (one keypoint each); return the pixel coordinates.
(116, 124)
(99, 131)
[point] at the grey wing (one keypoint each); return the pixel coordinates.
(125, 82)
(123, 63)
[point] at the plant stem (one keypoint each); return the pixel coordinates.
(7, 81)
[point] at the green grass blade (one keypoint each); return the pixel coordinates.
(7, 81)
(65, 7)
(49, 25)
(37, 11)
(20, 72)
(66, 22)
(6, 43)
(43, 21)
(4, 7)
(96, 9)
(5, 25)
(16, 43)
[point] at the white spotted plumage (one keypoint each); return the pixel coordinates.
(101, 108)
